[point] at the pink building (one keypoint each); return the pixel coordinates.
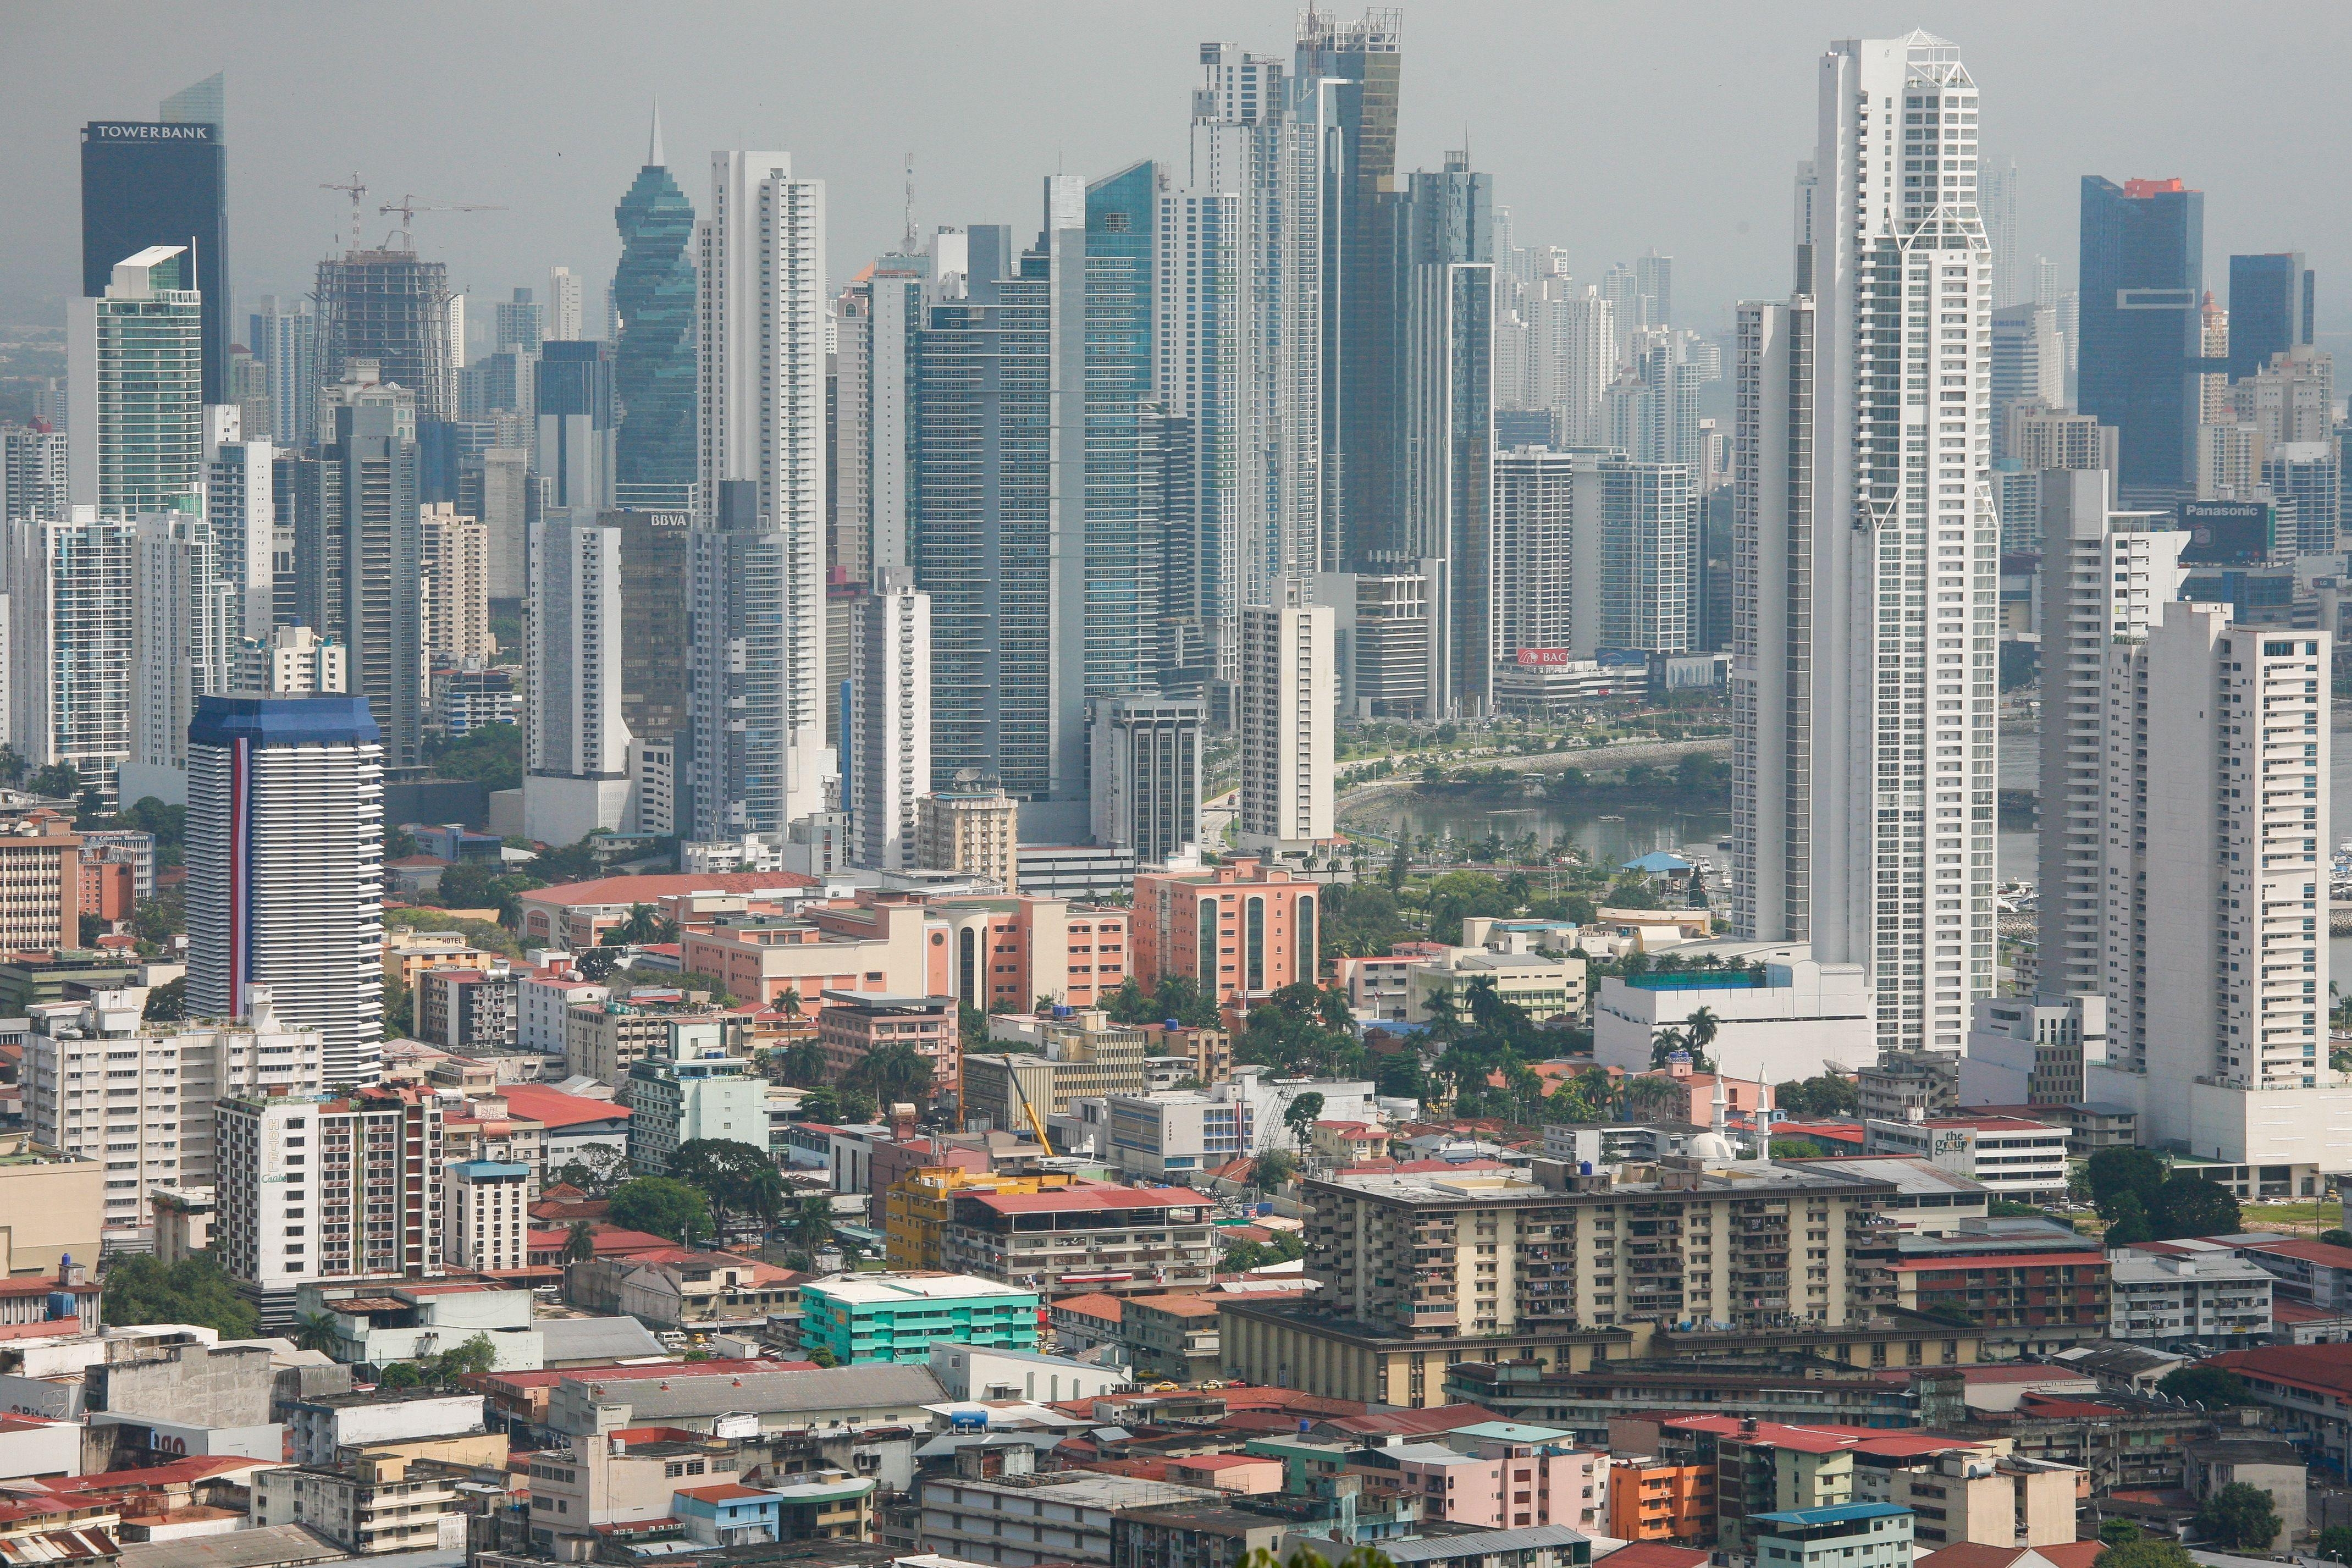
(1244, 1473)
(1498, 1476)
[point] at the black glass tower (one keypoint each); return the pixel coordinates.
(2143, 281)
(653, 365)
(2269, 308)
(160, 183)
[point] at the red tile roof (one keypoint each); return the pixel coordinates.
(1653, 1555)
(1974, 1554)
(723, 1492)
(2318, 1252)
(1104, 1308)
(1413, 1422)
(2318, 1369)
(555, 1110)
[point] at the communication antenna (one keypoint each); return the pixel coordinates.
(356, 190)
(907, 246)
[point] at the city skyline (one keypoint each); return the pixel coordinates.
(955, 98)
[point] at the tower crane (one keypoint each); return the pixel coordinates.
(355, 190)
(408, 206)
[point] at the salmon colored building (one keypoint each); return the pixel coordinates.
(1652, 1500)
(1241, 929)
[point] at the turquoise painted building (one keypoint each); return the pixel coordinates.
(875, 1317)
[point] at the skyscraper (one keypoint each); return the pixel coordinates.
(241, 504)
(563, 318)
(763, 379)
(183, 637)
(1597, 549)
(2106, 577)
(288, 348)
(163, 184)
(2216, 833)
(1287, 720)
(576, 440)
(1264, 137)
(135, 363)
(32, 473)
(1862, 715)
(1358, 67)
(2142, 330)
(391, 307)
(576, 768)
(70, 642)
(285, 852)
(374, 560)
(1997, 197)
(2029, 365)
(888, 762)
(2271, 303)
(1146, 755)
(653, 351)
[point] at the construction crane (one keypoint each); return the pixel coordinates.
(355, 190)
(408, 206)
(1037, 1122)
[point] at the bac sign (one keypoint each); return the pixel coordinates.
(1544, 656)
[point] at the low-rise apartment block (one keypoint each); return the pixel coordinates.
(886, 1318)
(2013, 1157)
(1122, 1240)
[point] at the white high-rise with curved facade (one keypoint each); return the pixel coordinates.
(1866, 596)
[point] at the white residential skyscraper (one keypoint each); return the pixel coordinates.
(182, 644)
(2105, 579)
(576, 763)
(1866, 548)
(1285, 715)
(889, 740)
(240, 502)
(69, 642)
(2215, 961)
(134, 360)
(761, 374)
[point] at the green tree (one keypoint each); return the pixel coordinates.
(399, 1006)
(596, 964)
(736, 1179)
(2120, 1531)
(400, 1375)
(168, 1003)
(1301, 1115)
(802, 1065)
(1701, 1028)
(644, 925)
(139, 1289)
(661, 1205)
(475, 1355)
(2335, 1237)
(2238, 1518)
(58, 781)
(315, 1331)
(490, 754)
(822, 1104)
(824, 1357)
(2212, 1386)
(13, 767)
(2127, 1222)
(2114, 1171)
(1653, 1099)
(812, 1221)
(580, 1243)
(1272, 1168)
(1820, 1099)
(2336, 1544)
(892, 1074)
(2191, 1205)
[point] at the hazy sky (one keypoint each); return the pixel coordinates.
(1609, 128)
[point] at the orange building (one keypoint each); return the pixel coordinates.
(108, 890)
(1017, 948)
(1241, 929)
(1650, 1499)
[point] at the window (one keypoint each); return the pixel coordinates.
(1254, 943)
(1208, 947)
(1305, 947)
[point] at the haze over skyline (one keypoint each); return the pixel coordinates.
(1607, 130)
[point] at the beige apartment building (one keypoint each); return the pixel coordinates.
(973, 830)
(1420, 1269)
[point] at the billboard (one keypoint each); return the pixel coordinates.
(1546, 657)
(2228, 532)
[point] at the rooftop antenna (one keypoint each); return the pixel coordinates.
(356, 191)
(654, 141)
(907, 246)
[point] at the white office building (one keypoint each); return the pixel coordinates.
(2215, 952)
(101, 1083)
(241, 504)
(284, 848)
(2028, 365)
(1866, 546)
(1797, 1020)
(490, 1215)
(292, 660)
(1288, 688)
(1263, 136)
(70, 635)
(761, 356)
(183, 634)
(576, 740)
(2105, 577)
(889, 739)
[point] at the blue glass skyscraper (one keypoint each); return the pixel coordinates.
(653, 363)
(2270, 300)
(2142, 282)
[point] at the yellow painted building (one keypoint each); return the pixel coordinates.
(920, 1204)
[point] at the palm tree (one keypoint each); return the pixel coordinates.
(812, 1221)
(643, 925)
(580, 1243)
(1702, 1025)
(315, 1331)
(789, 1003)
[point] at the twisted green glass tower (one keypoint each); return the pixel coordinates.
(654, 369)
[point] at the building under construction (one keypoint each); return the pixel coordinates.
(392, 308)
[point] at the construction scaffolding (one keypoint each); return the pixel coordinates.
(392, 308)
